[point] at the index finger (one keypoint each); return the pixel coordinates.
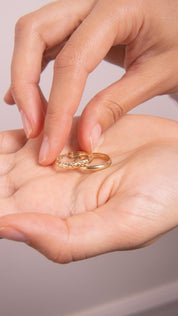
(82, 53)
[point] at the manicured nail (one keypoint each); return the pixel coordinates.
(26, 124)
(44, 149)
(95, 135)
(12, 234)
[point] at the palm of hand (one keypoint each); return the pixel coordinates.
(68, 215)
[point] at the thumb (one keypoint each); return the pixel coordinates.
(74, 238)
(112, 226)
(60, 240)
(140, 83)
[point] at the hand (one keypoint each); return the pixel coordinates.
(72, 215)
(139, 35)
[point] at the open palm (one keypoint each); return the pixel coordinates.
(69, 214)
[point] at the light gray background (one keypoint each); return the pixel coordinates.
(32, 285)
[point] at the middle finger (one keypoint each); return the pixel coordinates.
(34, 33)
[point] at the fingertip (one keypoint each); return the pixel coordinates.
(44, 151)
(26, 124)
(84, 143)
(89, 131)
(95, 136)
(55, 137)
(46, 233)
(8, 98)
(12, 234)
(32, 129)
(84, 133)
(48, 152)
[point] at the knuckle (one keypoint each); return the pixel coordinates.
(21, 24)
(100, 98)
(25, 24)
(53, 116)
(112, 107)
(67, 58)
(55, 113)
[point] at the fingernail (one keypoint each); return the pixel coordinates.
(12, 234)
(95, 135)
(44, 149)
(26, 124)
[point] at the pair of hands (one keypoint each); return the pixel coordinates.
(140, 35)
(70, 215)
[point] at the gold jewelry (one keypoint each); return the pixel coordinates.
(98, 167)
(79, 158)
(82, 160)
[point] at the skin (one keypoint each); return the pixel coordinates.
(140, 35)
(70, 215)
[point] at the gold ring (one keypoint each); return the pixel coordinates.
(79, 158)
(82, 160)
(101, 156)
